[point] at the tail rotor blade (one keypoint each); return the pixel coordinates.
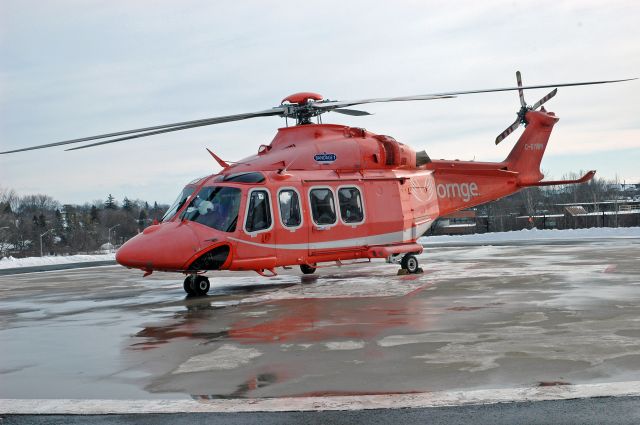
(508, 131)
(544, 99)
(520, 91)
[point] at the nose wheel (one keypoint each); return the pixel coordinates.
(196, 285)
(409, 265)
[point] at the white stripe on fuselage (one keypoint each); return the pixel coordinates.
(409, 234)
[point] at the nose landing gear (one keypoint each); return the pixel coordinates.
(196, 285)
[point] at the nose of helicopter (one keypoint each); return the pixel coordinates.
(165, 246)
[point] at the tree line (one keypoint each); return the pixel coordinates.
(69, 228)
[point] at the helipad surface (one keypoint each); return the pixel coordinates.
(480, 317)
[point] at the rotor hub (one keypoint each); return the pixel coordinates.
(301, 98)
(299, 106)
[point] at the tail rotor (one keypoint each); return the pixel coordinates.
(524, 108)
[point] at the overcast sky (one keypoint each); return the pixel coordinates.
(78, 68)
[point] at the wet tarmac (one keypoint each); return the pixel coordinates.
(479, 317)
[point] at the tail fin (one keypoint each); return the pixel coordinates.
(526, 155)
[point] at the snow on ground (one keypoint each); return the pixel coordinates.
(535, 235)
(10, 262)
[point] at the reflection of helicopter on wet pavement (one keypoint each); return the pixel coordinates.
(323, 194)
(298, 317)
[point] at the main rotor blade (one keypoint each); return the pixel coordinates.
(147, 130)
(353, 112)
(508, 131)
(520, 91)
(331, 105)
(446, 95)
(219, 120)
(544, 99)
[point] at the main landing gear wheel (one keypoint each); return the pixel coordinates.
(307, 269)
(196, 285)
(409, 264)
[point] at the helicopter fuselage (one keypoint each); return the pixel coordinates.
(322, 193)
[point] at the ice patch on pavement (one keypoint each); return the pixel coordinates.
(344, 345)
(224, 358)
(394, 340)
(532, 317)
(380, 285)
(535, 234)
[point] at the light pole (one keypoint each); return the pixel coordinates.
(41, 240)
(112, 227)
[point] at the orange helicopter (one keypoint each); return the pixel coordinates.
(323, 194)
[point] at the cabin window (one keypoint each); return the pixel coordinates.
(289, 208)
(258, 211)
(323, 208)
(351, 210)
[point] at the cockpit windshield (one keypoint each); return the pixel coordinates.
(179, 202)
(216, 207)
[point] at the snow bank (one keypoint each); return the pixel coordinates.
(535, 234)
(10, 262)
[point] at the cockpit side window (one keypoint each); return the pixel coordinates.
(258, 211)
(216, 207)
(178, 203)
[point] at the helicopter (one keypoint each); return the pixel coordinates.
(325, 194)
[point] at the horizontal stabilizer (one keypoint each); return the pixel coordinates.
(582, 179)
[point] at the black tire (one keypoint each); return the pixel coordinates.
(196, 285)
(307, 269)
(188, 285)
(410, 263)
(201, 285)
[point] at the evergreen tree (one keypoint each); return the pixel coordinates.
(142, 219)
(127, 205)
(155, 211)
(59, 226)
(93, 214)
(42, 222)
(110, 204)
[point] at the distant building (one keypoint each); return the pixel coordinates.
(457, 223)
